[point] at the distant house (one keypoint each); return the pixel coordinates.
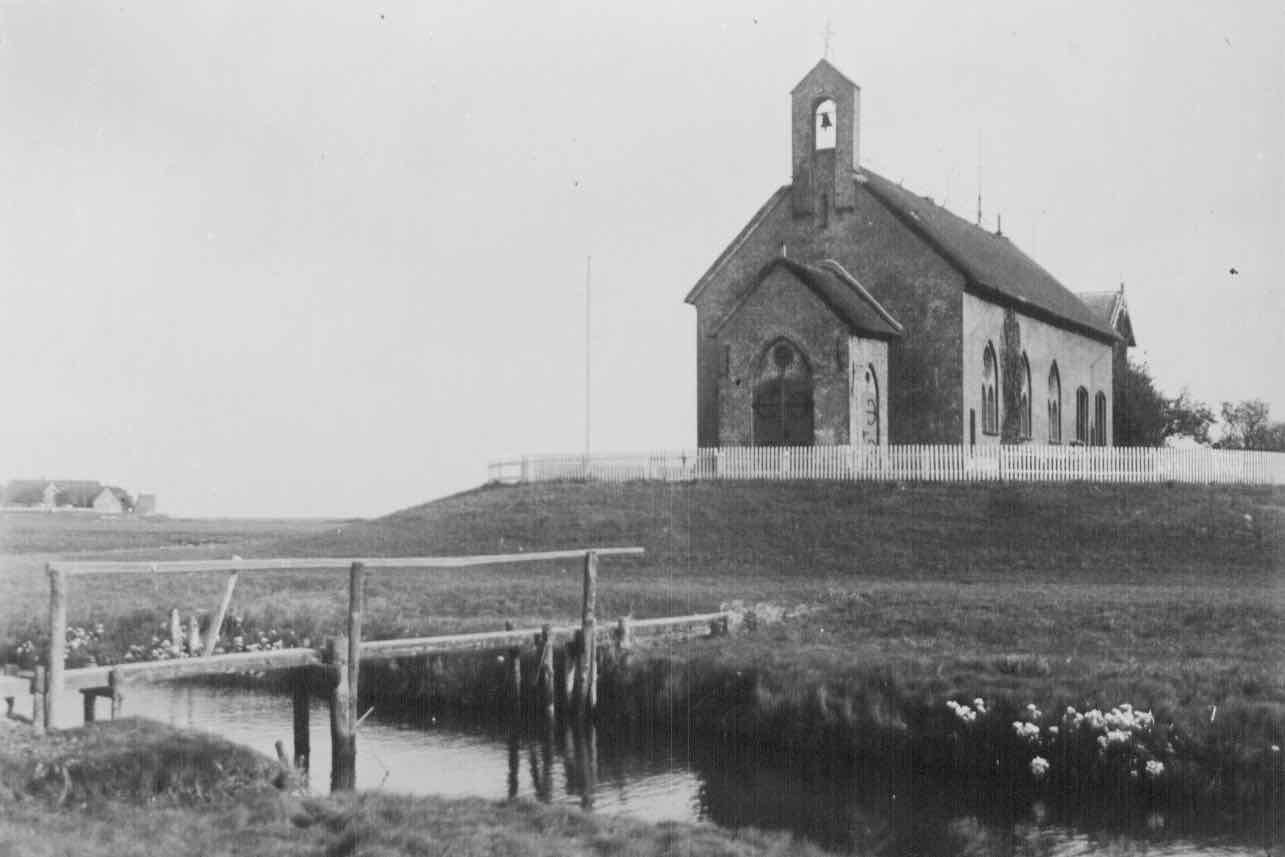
(66, 494)
(112, 500)
(77, 493)
(30, 492)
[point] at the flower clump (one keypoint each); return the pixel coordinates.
(89, 646)
(967, 714)
(1123, 738)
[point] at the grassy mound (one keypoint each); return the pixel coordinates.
(138, 788)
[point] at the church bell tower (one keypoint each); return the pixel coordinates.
(825, 121)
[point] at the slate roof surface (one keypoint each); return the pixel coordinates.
(839, 291)
(71, 492)
(1101, 304)
(823, 65)
(990, 262)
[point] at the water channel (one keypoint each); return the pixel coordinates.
(666, 776)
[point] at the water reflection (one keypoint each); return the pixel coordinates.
(889, 809)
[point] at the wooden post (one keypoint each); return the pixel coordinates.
(515, 676)
(588, 657)
(216, 627)
(624, 641)
(544, 673)
(586, 741)
(356, 606)
(515, 762)
(176, 630)
(118, 697)
(39, 682)
(302, 739)
(575, 674)
(343, 743)
(193, 635)
(57, 642)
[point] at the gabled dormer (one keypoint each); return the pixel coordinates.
(825, 123)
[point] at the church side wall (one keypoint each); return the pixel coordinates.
(872, 355)
(1081, 362)
(919, 289)
(783, 307)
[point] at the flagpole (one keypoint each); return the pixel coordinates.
(588, 269)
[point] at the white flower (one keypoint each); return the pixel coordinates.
(1039, 767)
(1053, 730)
(1155, 768)
(980, 705)
(1117, 736)
(1026, 731)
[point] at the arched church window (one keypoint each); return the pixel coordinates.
(1100, 419)
(1055, 405)
(783, 409)
(1024, 397)
(825, 124)
(870, 408)
(1081, 415)
(990, 391)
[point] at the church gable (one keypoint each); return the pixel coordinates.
(834, 287)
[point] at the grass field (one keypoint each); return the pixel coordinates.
(1169, 597)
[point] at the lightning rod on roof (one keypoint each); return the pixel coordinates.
(979, 177)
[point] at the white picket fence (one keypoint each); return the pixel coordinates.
(1029, 463)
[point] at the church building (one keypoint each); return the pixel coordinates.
(850, 310)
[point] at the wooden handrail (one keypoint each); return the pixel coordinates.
(326, 563)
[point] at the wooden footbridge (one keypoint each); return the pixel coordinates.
(342, 656)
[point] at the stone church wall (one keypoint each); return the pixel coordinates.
(922, 292)
(781, 307)
(1080, 361)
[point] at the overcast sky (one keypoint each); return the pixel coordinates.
(321, 258)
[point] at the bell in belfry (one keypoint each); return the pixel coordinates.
(825, 120)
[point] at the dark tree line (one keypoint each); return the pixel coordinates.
(1144, 416)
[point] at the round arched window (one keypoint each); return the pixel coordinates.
(782, 355)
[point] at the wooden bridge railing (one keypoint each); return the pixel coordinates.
(342, 655)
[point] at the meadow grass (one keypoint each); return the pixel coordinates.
(135, 787)
(1164, 596)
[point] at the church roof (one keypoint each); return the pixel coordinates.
(838, 290)
(822, 67)
(1111, 308)
(992, 264)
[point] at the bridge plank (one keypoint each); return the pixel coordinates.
(328, 563)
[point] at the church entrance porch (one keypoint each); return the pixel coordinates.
(783, 408)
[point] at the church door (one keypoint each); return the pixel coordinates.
(783, 398)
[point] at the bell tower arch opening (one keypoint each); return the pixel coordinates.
(824, 131)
